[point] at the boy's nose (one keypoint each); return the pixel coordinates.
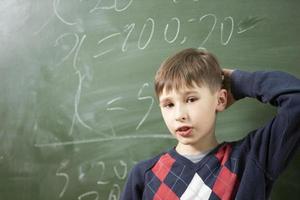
(181, 114)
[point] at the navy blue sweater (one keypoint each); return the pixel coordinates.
(242, 170)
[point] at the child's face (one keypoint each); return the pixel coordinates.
(190, 116)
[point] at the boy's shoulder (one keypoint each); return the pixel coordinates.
(148, 164)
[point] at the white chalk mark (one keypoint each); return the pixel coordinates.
(130, 28)
(177, 32)
(246, 29)
(104, 39)
(150, 36)
(114, 100)
(192, 20)
(202, 48)
(231, 31)
(77, 52)
(184, 40)
(248, 24)
(76, 116)
(109, 139)
(63, 164)
(89, 194)
(97, 7)
(112, 195)
(43, 26)
(107, 37)
(114, 6)
(73, 48)
(66, 176)
(115, 108)
(118, 175)
(102, 53)
(150, 106)
(124, 8)
(102, 165)
(81, 174)
(211, 30)
(55, 5)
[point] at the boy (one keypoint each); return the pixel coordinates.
(190, 89)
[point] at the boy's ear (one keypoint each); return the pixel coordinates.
(222, 100)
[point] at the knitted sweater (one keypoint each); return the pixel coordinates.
(242, 170)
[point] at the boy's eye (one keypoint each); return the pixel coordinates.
(168, 105)
(191, 99)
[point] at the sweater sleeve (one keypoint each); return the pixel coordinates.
(133, 189)
(272, 145)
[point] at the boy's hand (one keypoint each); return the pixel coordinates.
(227, 85)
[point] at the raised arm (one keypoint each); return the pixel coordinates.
(273, 144)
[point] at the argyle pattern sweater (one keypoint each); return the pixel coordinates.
(241, 170)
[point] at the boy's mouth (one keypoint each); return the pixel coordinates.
(184, 131)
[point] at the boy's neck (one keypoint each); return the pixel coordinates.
(196, 149)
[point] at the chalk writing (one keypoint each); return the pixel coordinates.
(115, 108)
(230, 19)
(66, 177)
(76, 42)
(148, 29)
(123, 175)
(248, 23)
(108, 172)
(115, 6)
(152, 23)
(177, 32)
(101, 41)
(57, 14)
(90, 193)
(211, 29)
(110, 139)
(141, 98)
(115, 192)
(101, 164)
(128, 28)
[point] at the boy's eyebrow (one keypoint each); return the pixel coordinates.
(186, 93)
(163, 100)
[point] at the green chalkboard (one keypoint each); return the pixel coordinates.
(77, 107)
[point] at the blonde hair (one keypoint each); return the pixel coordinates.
(186, 68)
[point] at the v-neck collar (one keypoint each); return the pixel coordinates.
(198, 165)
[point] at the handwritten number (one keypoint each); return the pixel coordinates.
(128, 28)
(177, 32)
(89, 194)
(55, 5)
(141, 98)
(114, 6)
(211, 29)
(230, 19)
(115, 192)
(152, 23)
(101, 164)
(123, 176)
(66, 177)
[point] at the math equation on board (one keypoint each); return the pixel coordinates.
(171, 30)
